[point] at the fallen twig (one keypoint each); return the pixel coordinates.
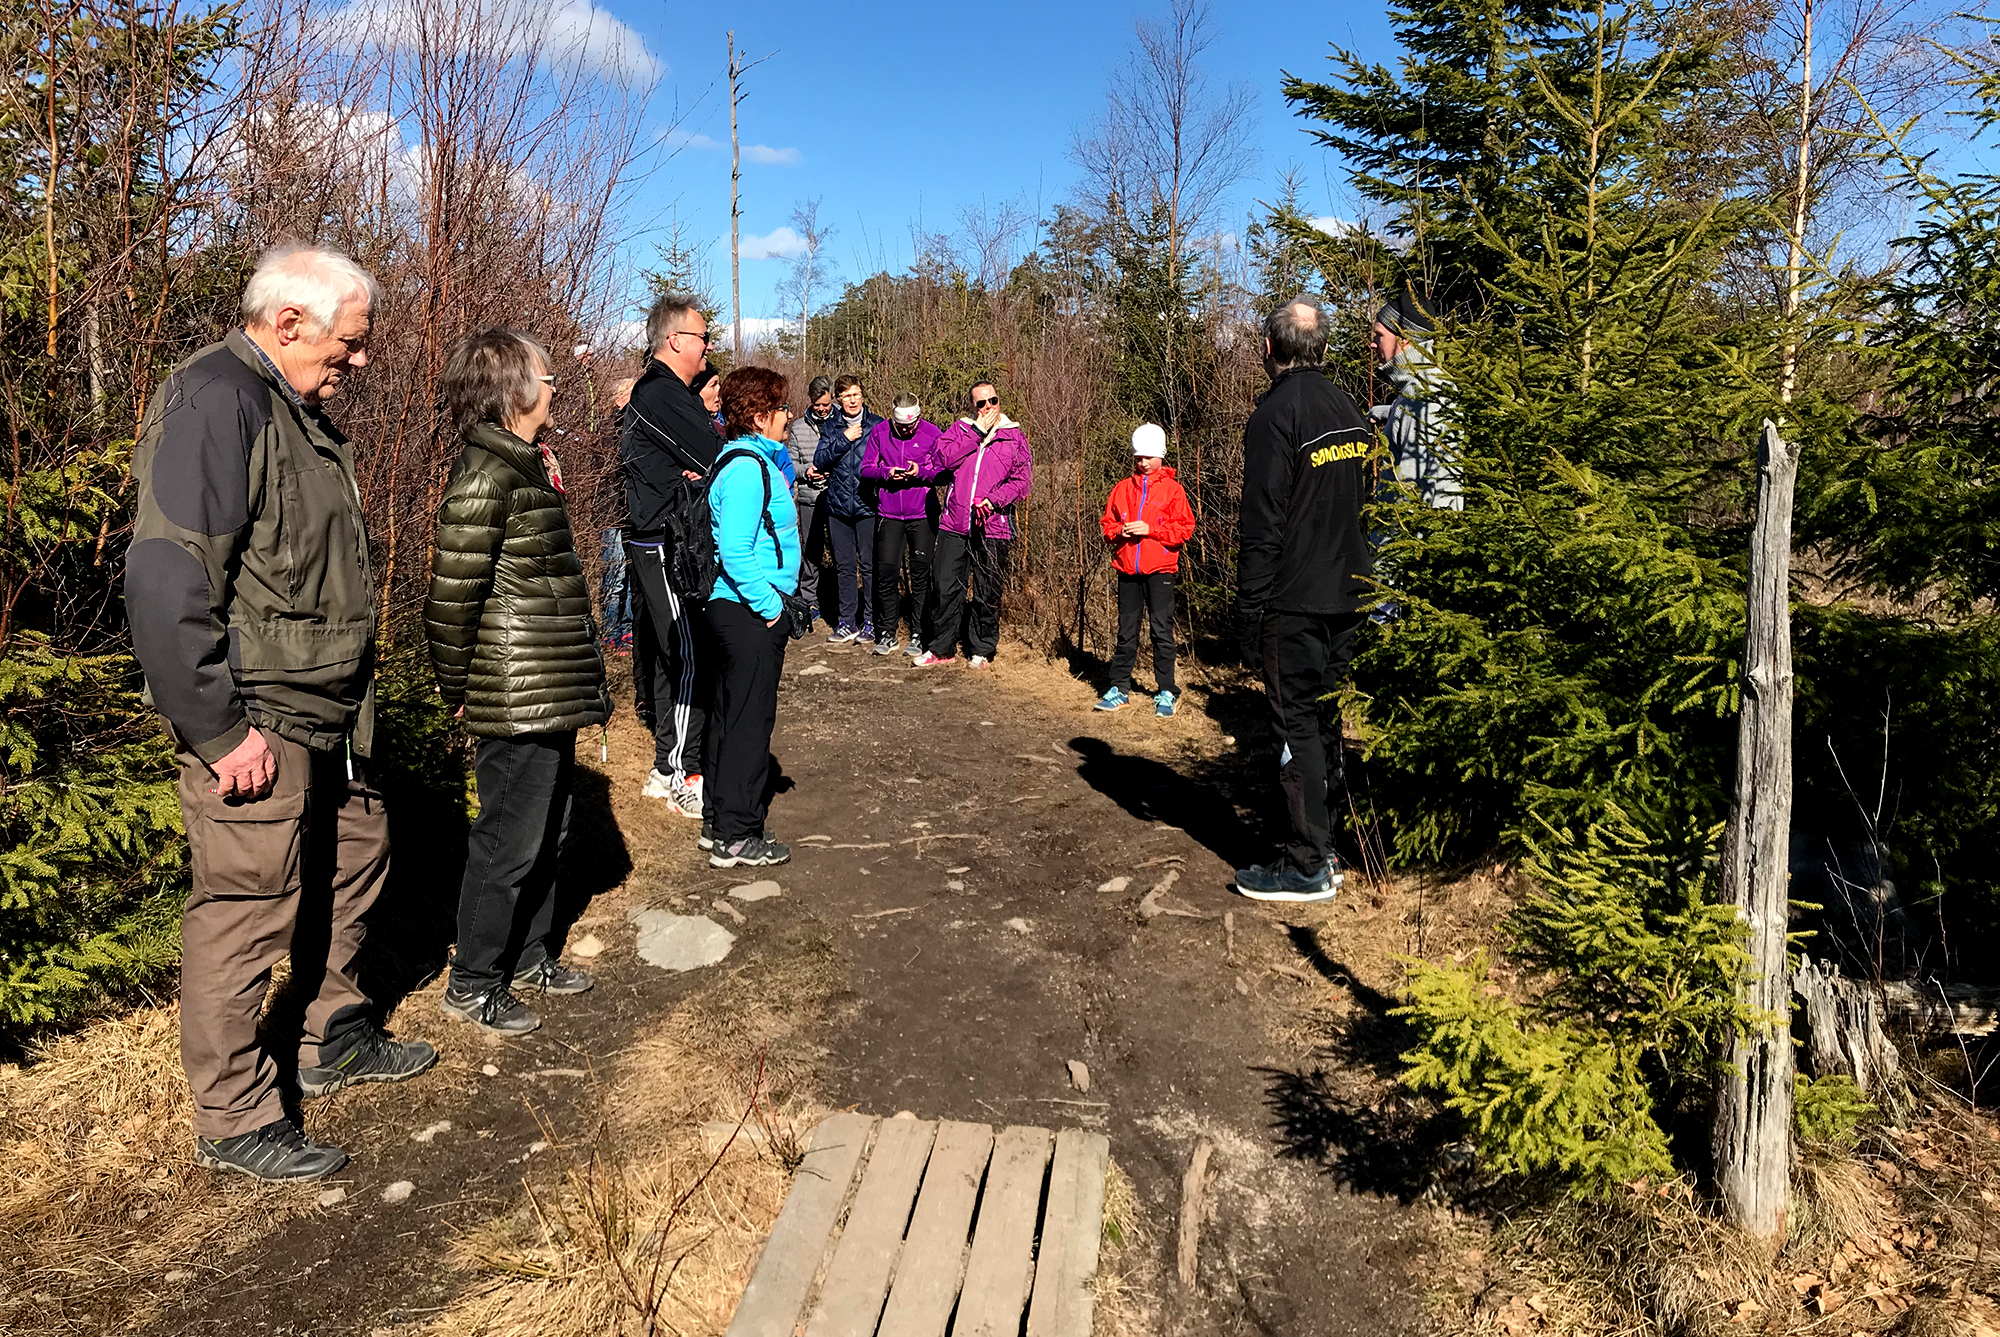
(1194, 1196)
(878, 845)
(899, 910)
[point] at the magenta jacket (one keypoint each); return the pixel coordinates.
(997, 469)
(900, 498)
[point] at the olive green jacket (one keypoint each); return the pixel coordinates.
(247, 585)
(509, 615)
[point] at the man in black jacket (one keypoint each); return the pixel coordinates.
(668, 447)
(1301, 578)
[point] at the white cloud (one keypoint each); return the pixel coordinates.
(678, 138)
(559, 30)
(781, 244)
(1332, 226)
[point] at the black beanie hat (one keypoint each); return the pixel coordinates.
(1405, 314)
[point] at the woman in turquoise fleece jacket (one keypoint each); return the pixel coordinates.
(757, 548)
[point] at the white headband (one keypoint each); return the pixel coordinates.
(906, 416)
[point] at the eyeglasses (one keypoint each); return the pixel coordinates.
(985, 403)
(702, 335)
(547, 380)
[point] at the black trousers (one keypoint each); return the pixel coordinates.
(893, 538)
(853, 553)
(507, 903)
(737, 768)
(970, 574)
(1305, 662)
(672, 672)
(1137, 595)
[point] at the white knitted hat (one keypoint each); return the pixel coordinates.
(1149, 438)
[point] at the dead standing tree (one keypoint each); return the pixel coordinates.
(737, 69)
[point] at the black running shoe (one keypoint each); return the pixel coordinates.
(374, 1057)
(552, 976)
(1276, 882)
(496, 1010)
(277, 1153)
(751, 852)
(707, 840)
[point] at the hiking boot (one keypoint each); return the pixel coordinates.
(751, 852)
(978, 661)
(1163, 704)
(277, 1153)
(497, 1010)
(707, 840)
(373, 1057)
(842, 634)
(549, 975)
(1114, 698)
(927, 659)
(1276, 882)
(887, 645)
(684, 796)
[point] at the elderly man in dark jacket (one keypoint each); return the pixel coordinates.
(1301, 577)
(252, 609)
(668, 446)
(515, 651)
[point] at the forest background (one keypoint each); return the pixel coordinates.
(1645, 228)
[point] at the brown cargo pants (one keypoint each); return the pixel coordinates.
(292, 872)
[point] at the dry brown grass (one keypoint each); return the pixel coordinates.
(1128, 1270)
(649, 1221)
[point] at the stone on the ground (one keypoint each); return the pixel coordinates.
(587, 946)
(490, 1070)
(904, 1114)
(724, 907)
(179, 1275)
(756, 891)
(430, 1131)
(333, 1197)
(813, 670)
(680, 942)
(534, 1147)
(1242, 985)
(963, 868)
(1018, 925)
(1079, 1076)
(954, 885)
(398, 1191)
(1116, 884)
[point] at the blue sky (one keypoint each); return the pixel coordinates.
(899, 114)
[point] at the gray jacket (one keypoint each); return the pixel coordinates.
(1422, 428)
(802, 439)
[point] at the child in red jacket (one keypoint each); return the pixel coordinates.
(1145, 522)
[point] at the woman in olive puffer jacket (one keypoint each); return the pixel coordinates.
(514, 647)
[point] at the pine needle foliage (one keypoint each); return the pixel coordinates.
(1634, 970)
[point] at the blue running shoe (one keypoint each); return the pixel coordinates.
(1114, 698)
(1163, 704)
(1275, 882)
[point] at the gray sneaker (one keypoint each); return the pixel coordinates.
(277, 1153)
(374, 1057)
(753, 852)
(888, 645)
(551, 976)
(497, 1010)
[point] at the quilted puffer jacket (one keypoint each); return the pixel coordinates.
(509, 614)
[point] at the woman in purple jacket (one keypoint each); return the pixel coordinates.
(894, 463)
(987, 457)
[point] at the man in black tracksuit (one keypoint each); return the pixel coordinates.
(1301, 571)
(669, 444)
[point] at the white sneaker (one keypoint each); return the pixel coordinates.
(657, 786)
(978, 661)
(685, 797)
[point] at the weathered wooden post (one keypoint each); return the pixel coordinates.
(1753, 1114)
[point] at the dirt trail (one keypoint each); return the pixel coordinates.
(970, 820)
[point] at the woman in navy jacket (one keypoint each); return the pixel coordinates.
(850, 508)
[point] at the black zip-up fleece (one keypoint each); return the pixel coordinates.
(666, 431)
(1307, 454)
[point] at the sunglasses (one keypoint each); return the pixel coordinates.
(985, 403)
(703, 335)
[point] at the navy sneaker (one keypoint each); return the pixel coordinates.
(1114, 698)
(1163, 704)
(842, 634)
(373, 1057)
(276, 1153)
(1276, 882)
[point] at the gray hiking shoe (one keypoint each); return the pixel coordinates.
(551, 976)
(373, 1057)
(752, 852)
(277, 1153)
(497, 1010)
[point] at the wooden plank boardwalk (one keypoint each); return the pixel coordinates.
(909, 1228)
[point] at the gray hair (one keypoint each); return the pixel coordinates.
(316, 280)
(821, 385)
(492, 377)
(663, 321)
(1297, 332)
